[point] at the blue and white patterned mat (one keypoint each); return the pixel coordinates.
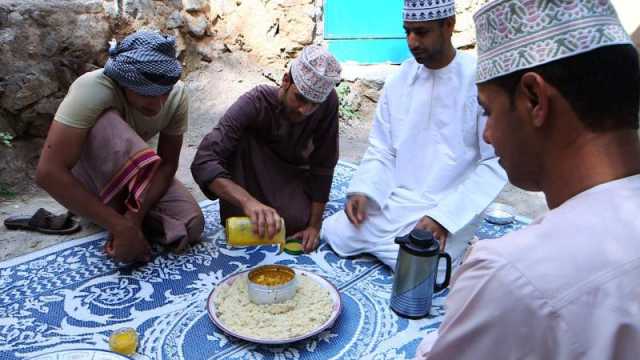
(72, 296)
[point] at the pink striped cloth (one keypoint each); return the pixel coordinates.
(135, 174)
(114, 157)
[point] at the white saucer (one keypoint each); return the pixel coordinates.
(499, 214)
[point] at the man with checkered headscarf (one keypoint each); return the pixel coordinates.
(96, 160)
(272, 155)
(560, 82)
(427, 166)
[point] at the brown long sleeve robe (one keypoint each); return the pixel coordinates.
(281, 164)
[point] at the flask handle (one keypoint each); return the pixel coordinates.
(447, 276)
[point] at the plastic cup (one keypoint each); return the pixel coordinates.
(124, 341)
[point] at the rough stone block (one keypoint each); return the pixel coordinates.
(221, 8)
(174, 20)
(45, 45)
(197, 25)
(194, 5)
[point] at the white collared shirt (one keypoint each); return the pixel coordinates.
(565, 287)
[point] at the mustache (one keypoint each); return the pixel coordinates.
(419, 51)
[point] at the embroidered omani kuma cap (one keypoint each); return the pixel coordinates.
(315, 73)
(514, 35)
(427, 10)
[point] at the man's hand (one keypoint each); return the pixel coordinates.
(128, 244)
(310, 238)
(438, 231)
(136, 218)
(356, 208)
(265, 219)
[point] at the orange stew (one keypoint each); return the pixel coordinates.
(271, 276)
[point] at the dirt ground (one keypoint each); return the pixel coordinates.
(213, 87)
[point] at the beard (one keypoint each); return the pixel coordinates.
(427, 56)
(294, 116)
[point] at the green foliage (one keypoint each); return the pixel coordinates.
(5, 191)
(6, 138)
(346, 110)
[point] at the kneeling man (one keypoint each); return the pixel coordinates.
(272, 154)
(96, 161)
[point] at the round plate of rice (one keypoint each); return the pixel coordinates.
(313, 309)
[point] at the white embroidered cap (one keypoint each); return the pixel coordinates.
(514, 35)
(427, 10)
(315, 73)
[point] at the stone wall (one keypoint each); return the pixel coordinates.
(464, 35)
(274, 31)
(44, 46)
(270, 31)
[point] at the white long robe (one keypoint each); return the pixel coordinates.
(426, 156)
(565, 287)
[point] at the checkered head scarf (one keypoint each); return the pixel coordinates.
(315, 73)
(144, 62)
(515, 35)
(428, 10)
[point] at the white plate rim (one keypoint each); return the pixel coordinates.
(489, 214)
(333, 291)
(115, 355)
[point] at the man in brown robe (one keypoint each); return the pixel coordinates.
(273, 153)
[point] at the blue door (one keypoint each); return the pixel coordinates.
(365, 31)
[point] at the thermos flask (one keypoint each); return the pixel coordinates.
(416, 271)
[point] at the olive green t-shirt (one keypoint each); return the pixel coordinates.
(93, 93)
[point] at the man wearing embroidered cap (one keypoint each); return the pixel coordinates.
(96, 161)
(272, 154)
(560, 83)
(427, 166)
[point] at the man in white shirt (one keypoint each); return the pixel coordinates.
(560, 82)
(426, 166)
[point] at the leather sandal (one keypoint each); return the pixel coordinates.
(44, 222)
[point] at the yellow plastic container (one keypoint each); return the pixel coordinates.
(239, 231)
(124, 341)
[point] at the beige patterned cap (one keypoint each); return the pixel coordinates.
(315, 73)
(427, 10)
(514, 35)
